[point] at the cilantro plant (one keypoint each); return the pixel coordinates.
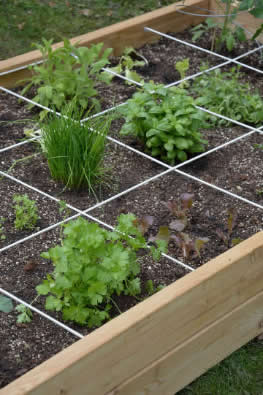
(166, 121)
(68, 73)
(224, 93)
(127, 64)
(25, 314)
(26, 212)
(91, 265)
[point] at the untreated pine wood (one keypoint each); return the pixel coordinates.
(200, 309)
(118, 36)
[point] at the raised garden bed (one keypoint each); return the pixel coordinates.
(164, 342)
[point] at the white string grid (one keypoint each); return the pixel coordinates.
(168, 168)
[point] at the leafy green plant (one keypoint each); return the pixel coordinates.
(151, 288)
(126, 65)
(91, 265)
(229, 37)
(6, 304)
(226, 35)
(75, 150)
(166, 121)
(2, 233)
(26, 212)
(224, 93)
(25, 314)
(68, 73)
(182, 66)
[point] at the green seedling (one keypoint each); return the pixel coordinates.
(26, 212)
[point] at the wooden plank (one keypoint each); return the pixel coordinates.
(246, 20)
(194, 357)
(131, 342)
(117, 36)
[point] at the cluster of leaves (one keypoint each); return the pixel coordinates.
(166, 121)
(26, 212)
(2, 233)
(127, 64)
(225, 234)
(225, 94)
(91, 265)
(180, 209)
(226, 36)
(229, 37)
(68, 73)
(6, 306)
(75, 150)
(182, 66)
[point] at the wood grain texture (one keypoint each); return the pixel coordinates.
(117, 36)
(132, 342)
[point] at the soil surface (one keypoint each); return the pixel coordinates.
(236, 168)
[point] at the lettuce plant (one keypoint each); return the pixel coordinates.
(166, 121)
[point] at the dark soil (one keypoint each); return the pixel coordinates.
(236, 168)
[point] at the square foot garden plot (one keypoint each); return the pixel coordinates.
(207, 219)
(236, 168)
(24, 221)
(14, 118)
(21, 270)
(123, 169)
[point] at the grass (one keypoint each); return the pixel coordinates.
(239, 374)
(23, 22)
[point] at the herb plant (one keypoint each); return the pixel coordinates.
(26, 212)
(126, 65)
(91, 265)
(224, 93)
(25, 314)
(68, 73)
(75, 150)
(166, 121)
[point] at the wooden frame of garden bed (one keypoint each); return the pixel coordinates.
(165, 342)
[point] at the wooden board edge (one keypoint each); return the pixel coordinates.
(179, 367)
(117, 36)
(55, 374)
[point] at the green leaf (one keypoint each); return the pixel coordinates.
(43, 289)
(53, 303)
(230, 41)
(257, 12)
(6, 304)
